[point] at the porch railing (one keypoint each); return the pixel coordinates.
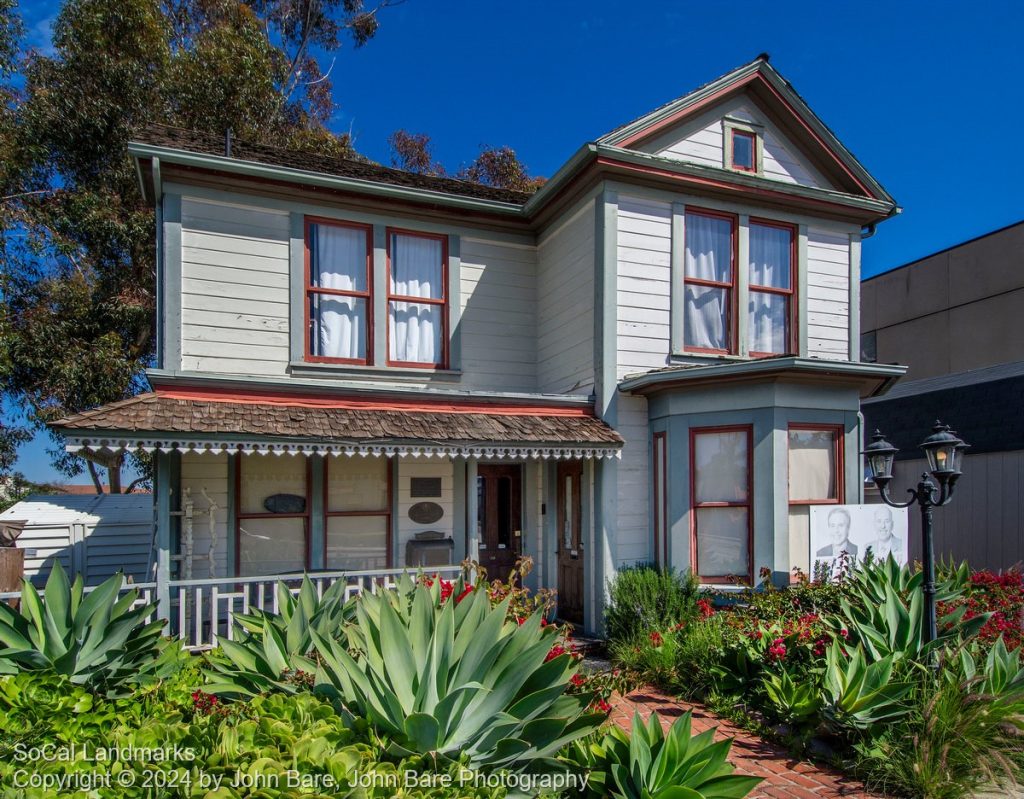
(203, 610)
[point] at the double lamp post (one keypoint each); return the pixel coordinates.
(945, 456)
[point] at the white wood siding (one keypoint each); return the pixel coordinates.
(828, 295)
(209, 472)
(633, 522)
(499, 315)
(234, 288)
(644, 284)
(701, 142)
(565, 305)
(405, 528)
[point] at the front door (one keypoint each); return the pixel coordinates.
(499, 518)
(570, 541)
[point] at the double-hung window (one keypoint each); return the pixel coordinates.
(771, 268)
(272, 537)
(710, 282)
(720, 501)
(417, 299)
(339, 306)
(815, 476)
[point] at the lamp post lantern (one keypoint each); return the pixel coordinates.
(944, 452)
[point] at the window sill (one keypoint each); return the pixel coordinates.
(310, 369)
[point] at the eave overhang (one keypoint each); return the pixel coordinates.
(872, 379)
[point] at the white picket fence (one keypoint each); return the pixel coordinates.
(203, 610)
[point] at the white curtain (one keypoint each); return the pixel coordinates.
(416, 271)
(339, 262)
(812, 465)
(708, 257)
(770, 254)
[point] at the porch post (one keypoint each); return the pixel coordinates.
(472, 536)
(167, 464)
(460, 520)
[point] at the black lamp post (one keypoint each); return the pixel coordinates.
(945, 455)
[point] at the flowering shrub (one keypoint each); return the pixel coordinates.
(1002, 595)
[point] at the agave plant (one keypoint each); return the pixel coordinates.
(860, 694)
(455, 679)
(1001, 676)
(649, 764)
(870, 579)
(795, 701)
(96, 639)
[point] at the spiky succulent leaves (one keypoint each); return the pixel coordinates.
(99, 639)
(255, 665)
(861, 694)
(454, 678)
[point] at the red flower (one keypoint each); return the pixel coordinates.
(844, 633)
(656, 639)
(203, 703)
(578, 680)
(777, 651)
(555, 651)
(601, 705)
(465, 592)
(705, 608)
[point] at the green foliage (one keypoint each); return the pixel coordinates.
(95, 639)
(456, 678)
(646, 599)
(859, 694)
(794, 701)
(648, 764)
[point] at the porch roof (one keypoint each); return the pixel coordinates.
(167, 421)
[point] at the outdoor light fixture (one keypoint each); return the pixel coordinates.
(945, 452)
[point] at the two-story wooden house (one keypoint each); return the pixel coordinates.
(652, 358)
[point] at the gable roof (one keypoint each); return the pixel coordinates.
(777, 98)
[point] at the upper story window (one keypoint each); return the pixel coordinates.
(339, 307)
(743, 147)
(710, 282)
(772, 258)
(417, 299)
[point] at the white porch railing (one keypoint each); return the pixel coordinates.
(147, 594)
(203, 610)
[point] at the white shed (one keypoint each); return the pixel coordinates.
(95, 535)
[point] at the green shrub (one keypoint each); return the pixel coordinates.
(699, 651)
(97, 639)
(648, 764)
(646, 599)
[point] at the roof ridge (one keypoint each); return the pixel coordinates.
(82, 415)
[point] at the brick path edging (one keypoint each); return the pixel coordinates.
(784, 776)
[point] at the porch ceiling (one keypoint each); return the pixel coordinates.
(164, 422)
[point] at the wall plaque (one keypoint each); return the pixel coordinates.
(425, 486)
(285, 503)
(426, 512)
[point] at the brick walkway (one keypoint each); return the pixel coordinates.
(784, 776)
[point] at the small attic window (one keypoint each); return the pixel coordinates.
(744, 150)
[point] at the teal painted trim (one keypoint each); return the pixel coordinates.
(853, 445)
(232, 514)
(160, 285)
(460, 509)
(801, 276)
(175, 505)
(605, 559)
(317, 521)
(743, 286)
(472, 510)
(593, 612)
(162, 484)
(380, 294)
(606, 303)
(854, 297)
(454, 302)
(549, 520)
(778, 479)
(397, 556)
(170, 326)
(532, 531)
(297, 287)
(158, 181)
(677, 299)
(300, 176)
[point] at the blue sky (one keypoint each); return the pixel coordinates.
(925, 94)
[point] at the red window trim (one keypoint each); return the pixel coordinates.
(749, 504)
(792, 303)
(732, 303)
(753, 149)
(839, 453)
(660, 469)
(443, 301)
(241, 516)
(366, 295)
(328, 513)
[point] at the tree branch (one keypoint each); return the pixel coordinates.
(95, 476)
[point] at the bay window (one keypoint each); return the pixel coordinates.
(709, 281)
(815, 476)
(339, 307)
(720, 501)
(771, 272)
(417, 299)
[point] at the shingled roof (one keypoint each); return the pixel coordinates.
(152, 420)
(211, 144)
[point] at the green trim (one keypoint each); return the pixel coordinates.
(317, 524)
(170, 327)
(801, 304)
(232, 514)
(158, 181)
(677, 300)
(162, 485)
(454, 302)
(297, 287)
(459, 522)
(176, 505)
(854, 312)
(472, 509)
(396, 520)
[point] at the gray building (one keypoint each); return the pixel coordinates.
(954, 319)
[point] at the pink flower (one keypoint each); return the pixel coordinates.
(777, 651)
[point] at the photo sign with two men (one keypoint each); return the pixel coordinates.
(856, 530)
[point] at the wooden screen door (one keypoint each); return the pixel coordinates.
(499, 518)
(570, 541)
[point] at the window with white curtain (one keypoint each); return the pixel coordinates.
(417, 300)
(815, 469)
(338, 295)
(770, 270)
(709, 281)
(720, 490)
